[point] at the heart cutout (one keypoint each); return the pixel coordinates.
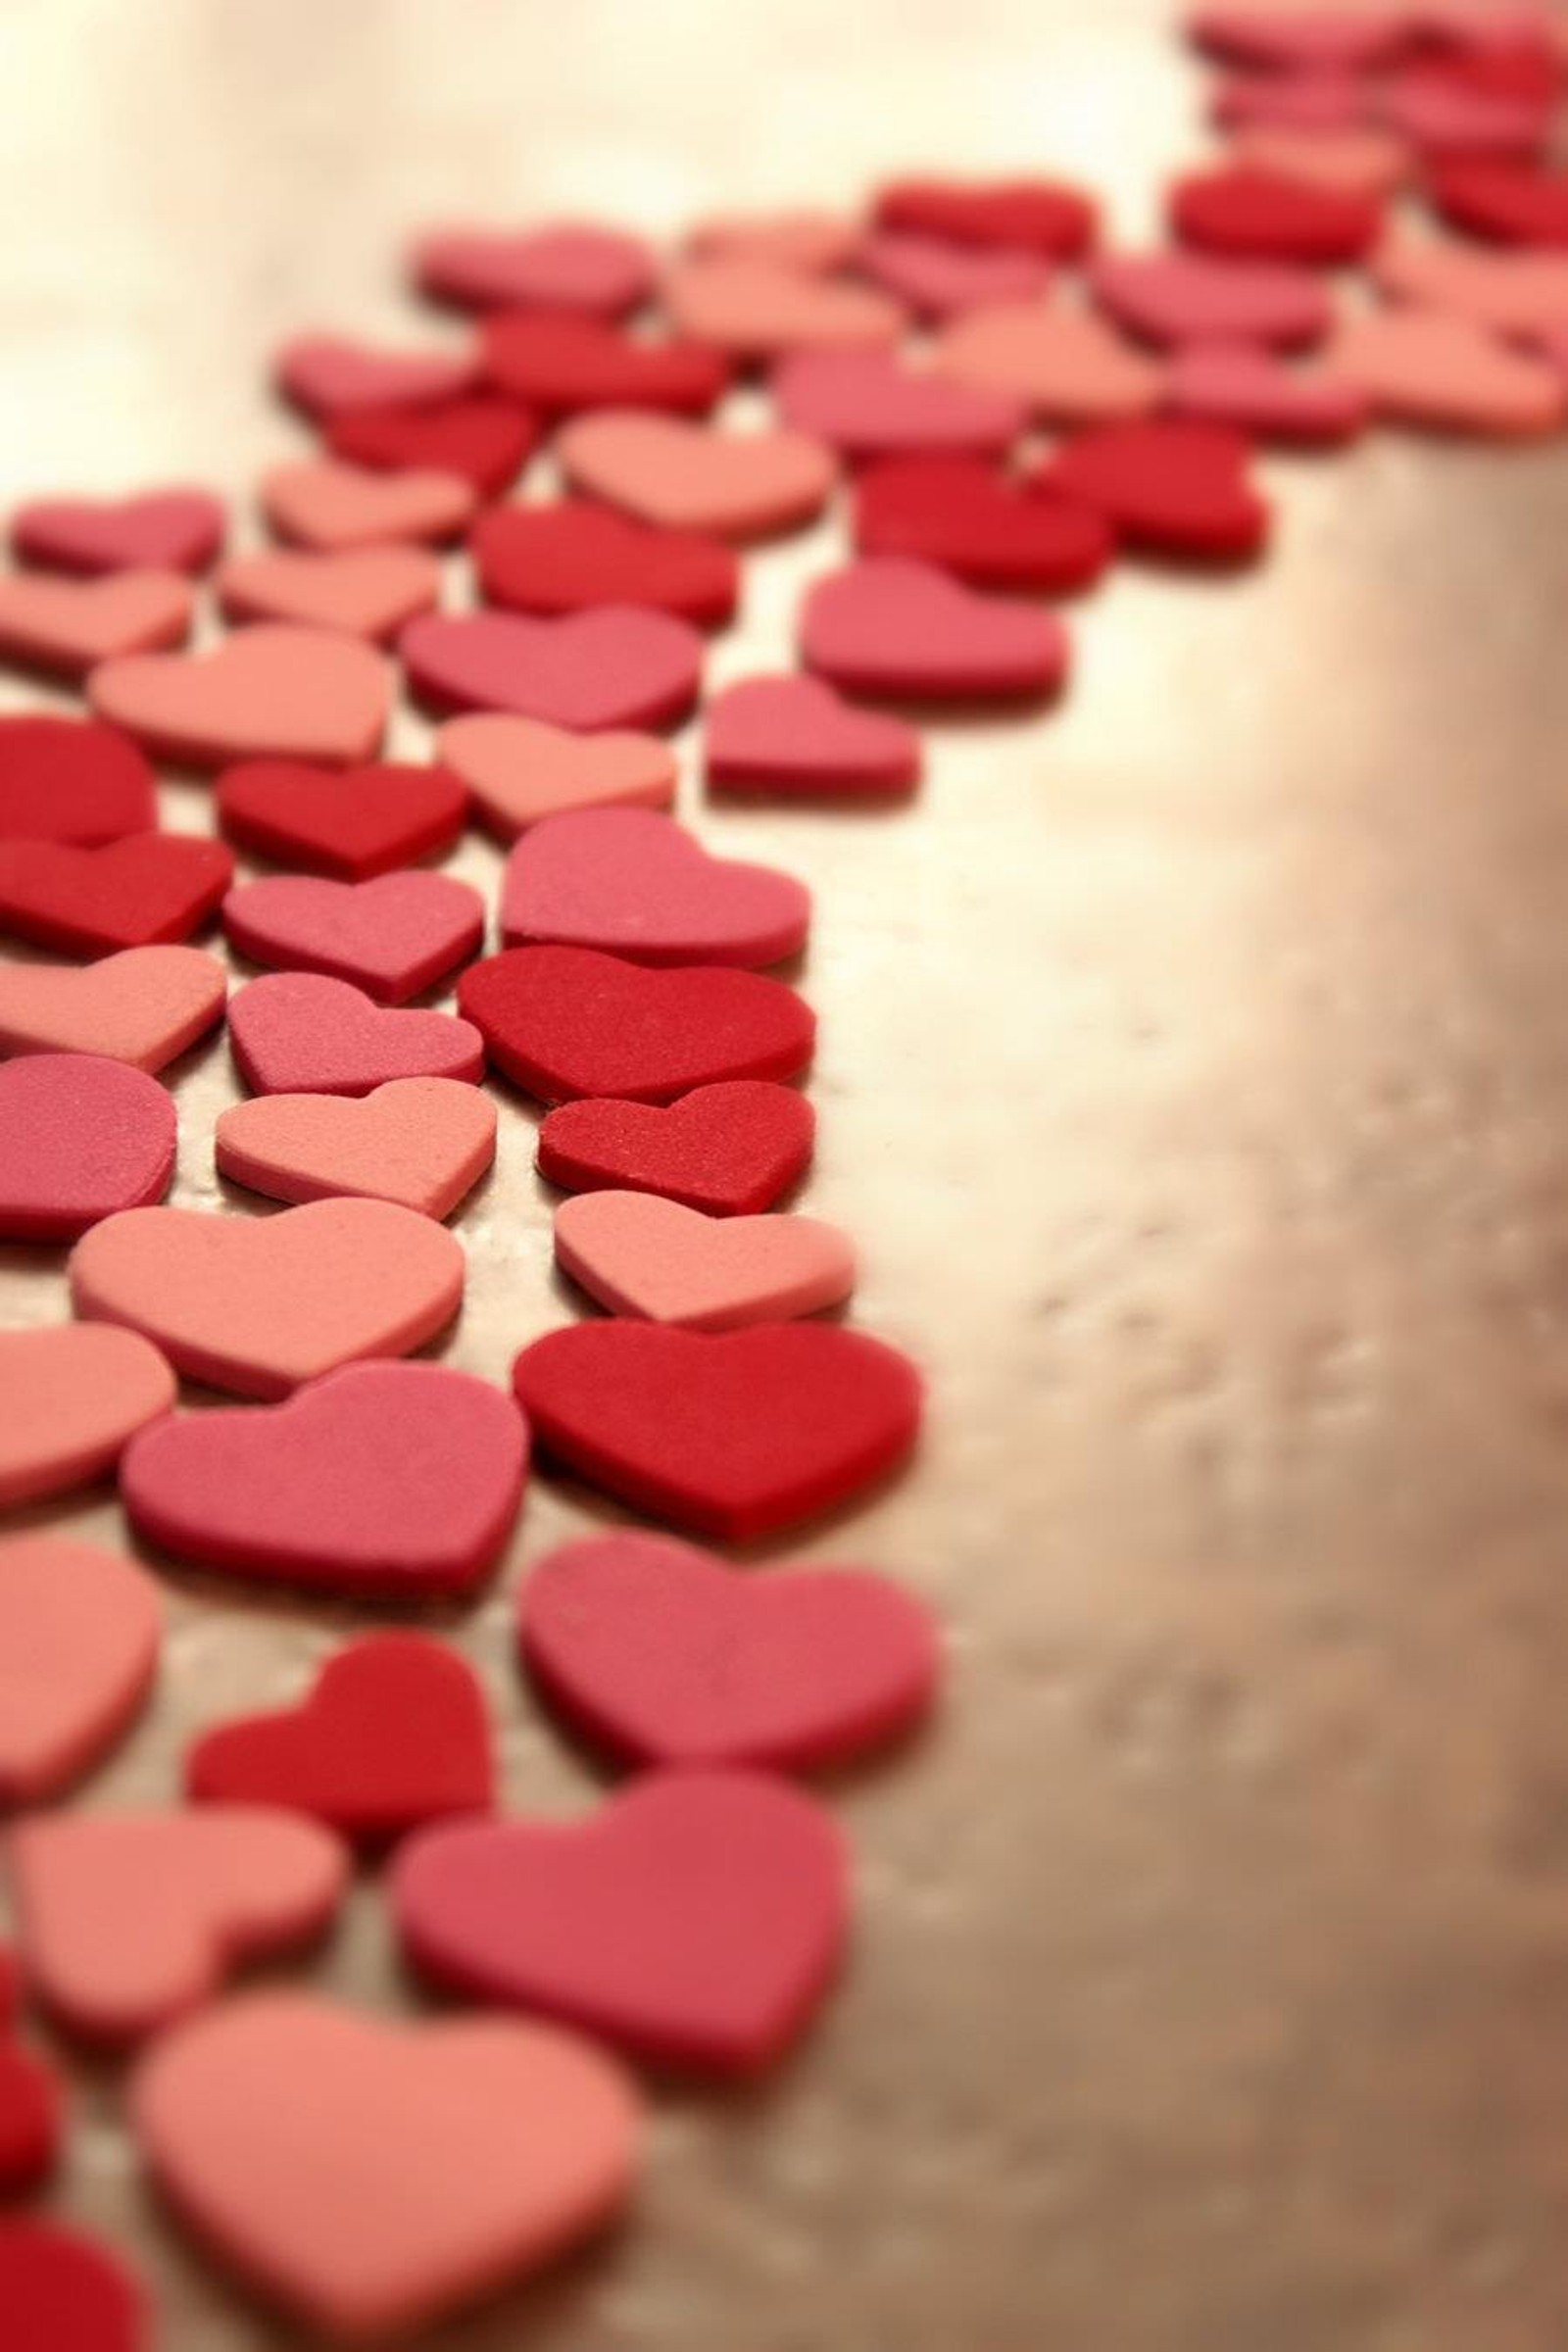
(79, 1631)
(271, 692)
(367, 592)
(1171, 487)
(697, 477)
(1519, 293)
(1442, 117)
(1245, 211)
(132, 893)
(69, 779)
(364, 821)
(520, 769)
(80, 1137)
(1305, 40)
(485, 442)
(981, 525)
(1306, 101)
(1513, 203)
(1036, 216)
(144, 1005)
(158, 531)
(617, 666)
(301, 1033)
(31, 2125)
(1360, 163)
(335, 375)
(572, 556)
(731, 1150)
(65, 626)
(1067, 366)
(72, 1396)
(1235, 384)
(393, 937)
(869, 404)
(640, 1255)
(634, 883)
(1188, 298)
(939, 279)
(757, 310)
(335, 506)
(563, 363)
(422, 1143)
(888, 626)
(1447, 373)
(816, 242)
(566, 266)
(62, 2292)
(794, 736)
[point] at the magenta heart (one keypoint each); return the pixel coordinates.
(300, 1033)
(80, 1137)
(894, 628)
(868, 403)
(634, 883)
(615, 666)
(393, 936)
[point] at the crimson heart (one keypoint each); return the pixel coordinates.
(695, 1918)
(1517, 204)
(795, 737)
(63, 2292)
(80, 1137)
(1250, 214)
(351, 822)
(971, 520)
(304, 1033)
(563, 363)
(731, 1434)
(1172, 486)
(486, 442)
(731, 1150)
(634, 883)
(617, 666)
(71, 779)
(1037, 216)
(126, 893)
(30, 2121)
(888, 626)
(163, 530)
(572, 555)
(565, 1021)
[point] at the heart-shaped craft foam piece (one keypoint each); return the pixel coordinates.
(335, 375)
(520, 769)
(133, 893)
(71, 1395)
(663, 1654)
(695, 1918)
(144, 1005)
(1195, 298)
(159, 530)
(1444, 118)
(303, 1033)
(398, 1481)
(757, 310)
(574, 555)
(1448, 375)
(62, 2292)
(428, 2165)
(65, 626)
(869, 404)
(731, 1434)
(69, 779)
(234, 1883)
(1169, 485)
(352, 824)
(260, 1305)
(422, 1142)
(1247, 213)
(344, 1755)
(1518, 293)
(731, 1150)
(968, 520)
(697, 477)
(485, 442)
(636, 884)
(1248, 390)
(1299, 102)
(940, 279)
(640, 1255)
(566, 266)
(568, 1021)
(1358, 163)
(393, 937)
(562, 364)
(270, 691)
(1067, 367)
(31, 2124)
(795, 737)
(1306, 40)
(366, 592)
(888, 626)
(1514, 204)
(333, 506)
(816, 242)
(80, 1137)
(1037, 216)
(79, 1631)
(615, 666)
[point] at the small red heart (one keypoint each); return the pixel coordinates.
(1197, 298)
(732, 1433)
(888, 626)
(351, 822)
(565, 265)
(486, 441)
(574, 555)
(795, 737)
(565, 1021)
(62, 2292)
(617, 666)
(125, 894)
(80, 1137)
(64, 627)
(732, 1149)
(1247, 213)
(562, 364)
(334, 375)
(71, 779)
(393, 937)
(30, 2126)
(1174, 487)
(970, 520)
(301, 1033)
(695, 1918)
(1516, 204)
(870, 404)
(635, 884)
(1036, 216)
(161, 531)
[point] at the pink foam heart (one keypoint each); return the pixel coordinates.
(268, 693)
(335, 375)
(796, 736)
(233, 1882)
(566, 265)
(1360, 163)
(80, 1136)
(619, 666)
(758, 309)
(269, 2124)
(1066, 365)
(143, 1005)
(520, 769)
(641, 1255)
(330, 507)
(259, 1304)
(1302, 102)
(1442, 116)
(80, 1629)
(893, 627)
(634, 883)
(422, 1142)
(163, 530)
(393, 936)
(1185, 298)
(1511, 293)
(819, 243)
(697, 477)
(71, 1397)
(366, 592)
(1448, 373)
(940, 280)
(1305, 40)
(69, 625)
(299, 1033)
(868, 403)
(1238, 384)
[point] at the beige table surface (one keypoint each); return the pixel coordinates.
(1194, 1076)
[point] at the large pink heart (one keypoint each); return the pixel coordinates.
(80, 1629)
(635, 884)
(394, 936)
(619, 666)
(271, 692)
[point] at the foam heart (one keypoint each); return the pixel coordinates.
(1444, 118)
(1517, 204)
(819, 243)
(367, 592)
(568, 266)
(1247, 212)
(335, 375)
(663, 1655)
(940, 279)
(694, 477)
(31, 2125)
(234, 1883)
(161, 531)
(1067, 366)
(1448, 373)
(1305, 40)
(331, 507)
(397, 1481)
(890, 626)
(968, 520)
(260, 1304)
(354, 824)
(69, 779)
(66, 626)
(1300, 102)
(1188, 298)
(572, 555)
(271, 692)
(794, 736)
(731, 1434)
(1511, 293)
(759, 308)
(731, 1150)
(428, 2164)
(1360, 163)
(301, 1033)
(80, 1138)
(634, 883)
(640, 1255)
(565, 1021)
(615, 666)
(144, 1005)
(79, 1631)
(520, 769)
(344, 1755)
(1174, 487)
(422, 1142)
(485, 442)
(695, 1918)
(562, 364)
(393, 937)
(126, 893)
(1238, 386)
(1039, 215)
(869, 404)
(71, 1397)
(62, 2292)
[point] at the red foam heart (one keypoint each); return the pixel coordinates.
(617, 666)
(79, 1631)
(1038, 216)
(271, 691)
(353, 822)
(970, 520)
(889, 627)
(695, 1918)
(732, 1149)
(1194, 298)
(565, 1021)
(663, 1654)
(869, 404)
(301, 1033)
(72, 1396)
(574, 555)
(1252, 213)
(634, 883)
(566, 265)
(161, 531)
(1515, 204)
(487, 442)
(31, 2124)
(62, 2292)
(71, 779)
(125, 894)
(795, 737)
(393, 937)
(334, 375)
(731, 1434)
(563, 363)
(80, 1138)
(65, 626)
(344, 1754)
(1172, 486)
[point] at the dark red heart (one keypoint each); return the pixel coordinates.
(575, 554)
(1038, 216)
(731, 1150)
(1254, 215)
(971, 520)
(147, 888)
(567, 1021)
(1172, 487)
(485, 441)
(1513, 203)
(30, 2107)
(71, 779)
(350, 822)
(563, 363)
(62, 2292)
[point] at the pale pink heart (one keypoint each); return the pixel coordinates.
(1237, 384)
(1067, 364)
(142, 1006)
(817, 243)
(329, 506)
(520, 769)
(370, 2176)
(1353, 161)
(271, 692)
(72, 1397)
(69, 625)
(1185, 298)
(563, 266)
(334, 375)
(1426, 368)
(642, 1256)
(872, 404)
(80, 1629)
(938, 280)
(758, 309)
(422, 1143)
(129, 1920)
(366, 592)
(696, 477)
(1334, 38)
(1514, 293)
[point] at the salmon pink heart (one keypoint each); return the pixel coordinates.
(393, 937)
(819, 243)
(62, 2292)
(572, 556)
(756, 309)
(731, 1150)
(367, 592)
(79, 1631)
(642, 1257)
(422, 1142)
(797, 738)
(332, 507)
(126, 893)
(71, 779)
(697, 477)
(1238, 386)
(1306, 40)
(163, 530)
(1195, 298)
(71, 1395)
(615, 666)
(143, 1005)
(1361, 163)
(635, 884)
(1066, 366)
(354, 823)
(335, 375)
(65, 626)
(297, 1033)
(1172, 486)
(868, 403)
(1038, 216)
(1249, 213)
(968, 520)
(271, 692)
(565, 265)
(485, 442)
(562, 364)
(520, 769)
(1520, 293)
(888, 626)
(1448, 375)
(940, 278)
(80, 1137)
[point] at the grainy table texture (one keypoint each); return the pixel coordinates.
(1194, 1077)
